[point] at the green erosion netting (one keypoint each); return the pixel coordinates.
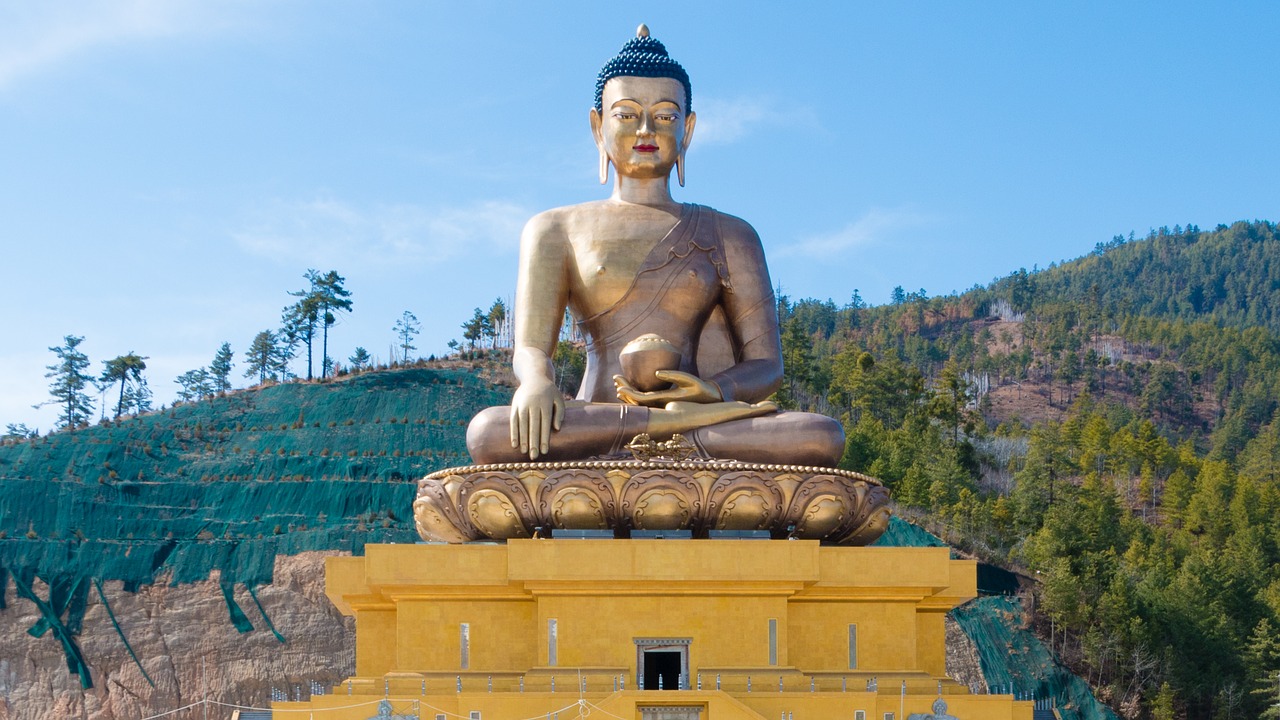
(1013, 659)
(226, 485)
(901, 533)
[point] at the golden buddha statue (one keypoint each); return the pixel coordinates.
(683, 352)
(640, 264)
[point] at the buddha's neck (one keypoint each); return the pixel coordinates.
(643, 191)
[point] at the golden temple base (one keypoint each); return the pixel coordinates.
(746, 629)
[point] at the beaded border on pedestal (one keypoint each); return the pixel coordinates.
(694, 465)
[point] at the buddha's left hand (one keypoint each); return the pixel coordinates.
(685, 388)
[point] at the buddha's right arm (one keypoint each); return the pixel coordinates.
(542, 293)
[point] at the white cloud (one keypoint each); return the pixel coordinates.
(328, 232)
(724, 121)
(872, 228)
(38, 35)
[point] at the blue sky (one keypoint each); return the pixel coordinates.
(169, 169)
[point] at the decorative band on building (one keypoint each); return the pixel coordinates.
(661, 642)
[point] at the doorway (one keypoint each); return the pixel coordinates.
(662, 664)
(662, 670)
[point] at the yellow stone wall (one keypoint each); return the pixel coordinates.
(410, 602)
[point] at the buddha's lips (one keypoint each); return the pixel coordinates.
(645, 148)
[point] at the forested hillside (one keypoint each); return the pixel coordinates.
(1108, 425)
(1230, 276)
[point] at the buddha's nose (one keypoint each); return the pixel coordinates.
(646, 124)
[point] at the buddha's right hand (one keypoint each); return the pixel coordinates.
(684, 388)
(536, 410)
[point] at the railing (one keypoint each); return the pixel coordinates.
(571, 680)
(793, 682)
(598, 681)
(595, 680)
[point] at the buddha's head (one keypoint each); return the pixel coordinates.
(641, 120)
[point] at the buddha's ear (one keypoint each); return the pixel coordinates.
(598, 134)
(689, 121)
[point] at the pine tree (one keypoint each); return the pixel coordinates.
(19, 431)
(220, 368)
(127, 371)
(195, 385)
(262, 357)
(298, 323)
(316, 305)
(69, 382)
(476, 328)
(1176, 497)
(797, 364)
(950, 399)
(330, 296)
(1262, 663)
(138, 396)
(497, 323)
(1162, 706)
(359, 360)
(406, 327)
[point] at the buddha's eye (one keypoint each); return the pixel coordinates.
(666, 117)
(624, 116)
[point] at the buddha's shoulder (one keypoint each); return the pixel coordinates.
(732, 228)
(558, 220)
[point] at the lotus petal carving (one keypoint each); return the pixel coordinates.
(500, 502)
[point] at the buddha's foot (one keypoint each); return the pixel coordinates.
(679, 417)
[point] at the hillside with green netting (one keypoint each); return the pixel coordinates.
(225, 484)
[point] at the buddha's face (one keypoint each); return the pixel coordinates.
(643, 126)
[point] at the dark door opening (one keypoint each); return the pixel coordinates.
(662, 669)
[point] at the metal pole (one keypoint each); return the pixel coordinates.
(205, 687)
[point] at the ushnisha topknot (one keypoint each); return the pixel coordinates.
(643, 56)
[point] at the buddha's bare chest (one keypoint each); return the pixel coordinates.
(607, 258)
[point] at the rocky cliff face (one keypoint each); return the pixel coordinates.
(962, 658)
(187, 646)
